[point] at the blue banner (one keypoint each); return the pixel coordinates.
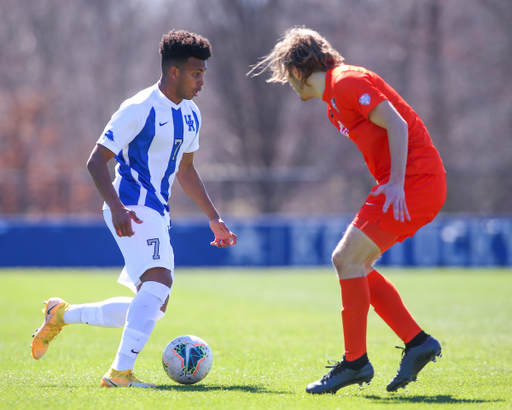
(262, 241)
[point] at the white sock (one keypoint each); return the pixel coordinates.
(108, 313)
(140, 321)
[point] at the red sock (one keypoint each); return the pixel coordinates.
(355, 297)
(388, 304)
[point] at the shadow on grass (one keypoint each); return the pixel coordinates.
(439, 399)
(202, 388)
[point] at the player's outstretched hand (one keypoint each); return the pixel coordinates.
(395, 196)
(223, 236)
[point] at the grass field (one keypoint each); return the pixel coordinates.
(271, 333)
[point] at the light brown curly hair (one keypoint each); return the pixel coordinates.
(302, 48)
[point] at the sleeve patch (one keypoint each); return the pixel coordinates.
(365, 99)
(110, 135)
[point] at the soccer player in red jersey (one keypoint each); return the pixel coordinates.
(410, 191)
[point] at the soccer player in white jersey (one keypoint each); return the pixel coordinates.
(153, 137)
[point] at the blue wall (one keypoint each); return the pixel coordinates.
(262, 241)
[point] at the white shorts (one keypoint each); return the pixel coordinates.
(150, 246)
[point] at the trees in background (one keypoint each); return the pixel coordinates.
(66, 66)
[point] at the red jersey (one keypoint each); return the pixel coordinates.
(351, 93)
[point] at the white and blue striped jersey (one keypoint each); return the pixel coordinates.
(150, 133)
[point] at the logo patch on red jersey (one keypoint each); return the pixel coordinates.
(333, 102)
(365, 99)
(343, 129)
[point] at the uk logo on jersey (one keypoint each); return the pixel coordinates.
(365, 99)
(190, 122)
(110, 135)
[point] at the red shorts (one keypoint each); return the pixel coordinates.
(424, 196)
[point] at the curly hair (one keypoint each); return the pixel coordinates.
(177, 47)
(302, 48)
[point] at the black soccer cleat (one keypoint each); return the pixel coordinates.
(340, 377)
(413, 360)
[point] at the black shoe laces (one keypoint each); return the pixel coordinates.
(337, 367)
(405, 350)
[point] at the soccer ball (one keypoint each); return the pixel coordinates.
(187, 359)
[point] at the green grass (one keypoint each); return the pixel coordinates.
(271, 333)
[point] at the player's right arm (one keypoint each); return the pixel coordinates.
(386, 116)
(121, 215)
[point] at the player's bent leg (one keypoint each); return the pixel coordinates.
(52, 325)
(414, 359)
(140, 321)
(114, 378)
(349, 259)
(388, 304)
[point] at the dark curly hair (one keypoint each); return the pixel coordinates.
(177, 47)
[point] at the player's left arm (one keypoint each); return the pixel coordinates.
(191, 182)
(386, 116)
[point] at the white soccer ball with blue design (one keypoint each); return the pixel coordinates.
(187, 359)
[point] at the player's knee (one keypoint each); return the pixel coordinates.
(339, 259)
(369, 266)
(346, 266)
(335, 256)
(167, 279)
(159, 290)
(349, 272)
(161, 275)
